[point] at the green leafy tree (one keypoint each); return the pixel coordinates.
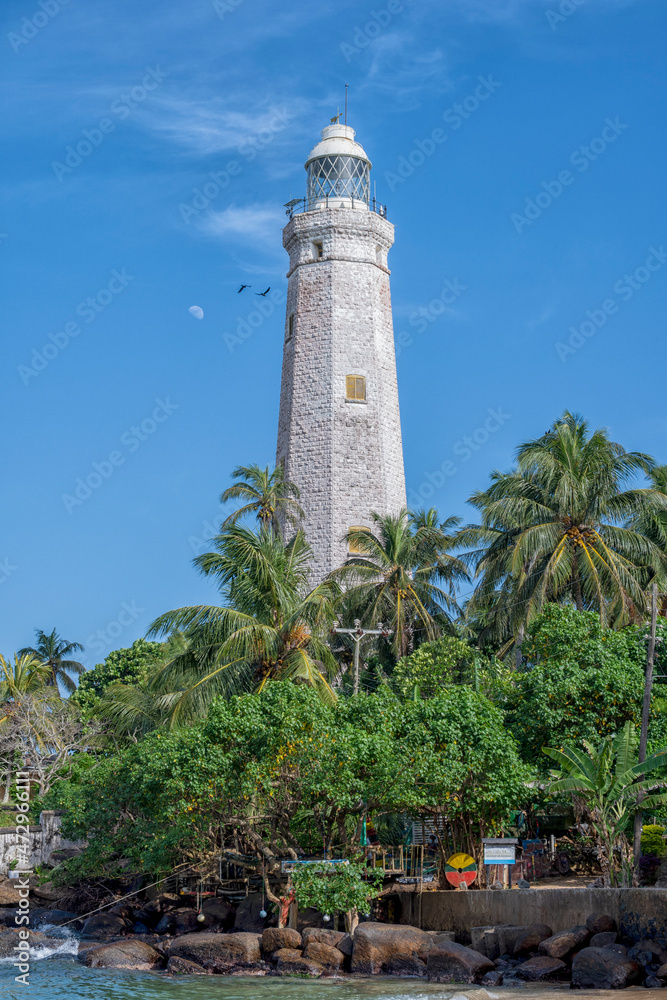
(56, 652)
(281, 772)
(337, 888)
(608, 778)
(581, 681)
(403, 574)
(128, 666)
(268, 495)
(559, 526)
(438, 664)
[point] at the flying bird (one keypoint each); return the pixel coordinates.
(264, 293)
(244, 286)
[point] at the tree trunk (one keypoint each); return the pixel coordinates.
(8, 784)
(518, 655)
(351, 921)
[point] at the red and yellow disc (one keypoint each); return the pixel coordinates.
(460, 868)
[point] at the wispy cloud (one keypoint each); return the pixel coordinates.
(259, 224)
(209, 125)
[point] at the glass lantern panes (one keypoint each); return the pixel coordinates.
(338, 177)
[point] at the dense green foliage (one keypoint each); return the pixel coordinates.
(653, 841)
(284, 770)
(438, 664)
(122, 666)
(336, 888)
(581, 681)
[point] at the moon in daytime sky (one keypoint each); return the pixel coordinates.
(196, 311)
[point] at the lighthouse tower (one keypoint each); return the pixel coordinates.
(339, 431)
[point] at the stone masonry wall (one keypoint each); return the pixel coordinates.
(346, 457)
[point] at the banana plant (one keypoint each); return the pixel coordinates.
(609, 778)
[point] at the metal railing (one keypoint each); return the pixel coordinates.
(299, 205)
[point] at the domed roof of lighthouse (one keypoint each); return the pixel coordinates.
(338, 140)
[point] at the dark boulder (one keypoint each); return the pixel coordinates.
(598, 923)
(43, 915)
(450, 962)
(218, 913)
(345, 945)
(494, 978)
(376, 945)
(275, 938)
(603, 939)
(603, 969)
(332, 938)
(105, 925)
(130, 954)
(326, 955)
(646, 952)
(291, 962)
(219, 953)
(247, 916)
(404, 966)
(541, 968)
(565, 943)
(184, 967)
(531, 938)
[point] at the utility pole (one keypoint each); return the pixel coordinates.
(646, 711)
(357, 634)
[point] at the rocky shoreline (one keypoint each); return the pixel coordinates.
(163, 935)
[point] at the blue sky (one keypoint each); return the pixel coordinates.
(528, 273)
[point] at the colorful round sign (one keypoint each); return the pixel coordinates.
(460, 868)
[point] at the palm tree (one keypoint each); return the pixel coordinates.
(55, 652)
(560, 527)
(402, 573)
(268, 494)
(609, 779)
(271, 627)
(25, 675)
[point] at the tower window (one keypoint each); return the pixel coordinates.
(355, 387)
(354, 548)
(290, 327)
(318, 250)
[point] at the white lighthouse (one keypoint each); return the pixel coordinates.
(339, 431)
